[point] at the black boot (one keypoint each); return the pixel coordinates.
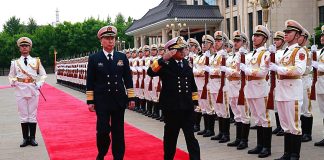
(236, 142)
(211, 126)
(220, 129)
(295, 143)
(231, 116)
(32, 130)
(260, 139)
(205, 125)
(24, 130)
(267, 136)
(156, 113)
(320, 143)
(275, 131)
(254, 127)
(226, 130)
(245, 137)
(287, 148)
(197, 116)
(281, 133)
(149, 112)
(307, 129)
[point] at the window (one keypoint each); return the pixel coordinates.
(259, 17)
(210, 2)
(226, 3)
(228, 27)
(321, 14)
(250, 15)
(235, 23)
(234, 2)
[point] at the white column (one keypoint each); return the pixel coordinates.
(164, 36)
(142, 40)
(135, 42)
(173, 33)
(150, 41)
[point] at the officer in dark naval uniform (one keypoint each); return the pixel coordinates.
(178, 97)
(108, 75)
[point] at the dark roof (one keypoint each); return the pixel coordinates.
(176, 8)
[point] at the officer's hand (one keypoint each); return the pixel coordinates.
(91, 107)
(131, 105)
(169, 54)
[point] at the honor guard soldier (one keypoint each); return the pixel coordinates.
(241, 113)
(319, 64)
(153, 83)
(193, 45)
(221, 109)
(306, 116)
(205, 104)
(279, 42)
(178, 97)
(27, 75)
(161, 51)
(257, 89)
(146, 80)
(136, 75)
(108, 77)
(288, 93)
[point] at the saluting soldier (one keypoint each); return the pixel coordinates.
(221, 109)
(319, 64)
(257, 89)
(279, 43)
(288, 93)
(306, 116)
(108, 76)
(27, 75)
(178, 97)
(241, 113)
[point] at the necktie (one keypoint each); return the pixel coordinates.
(322, 51)
(285, 50)
(180, 64)
(109, 57)
(254, 52)
(25, 61)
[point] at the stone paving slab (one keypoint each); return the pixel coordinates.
(10, 135)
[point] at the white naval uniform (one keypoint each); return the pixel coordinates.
(241, 113)
(26, 93)
(320, 81)
(306, 108)
(221, 109)
(147, 79)
(155, 80)
(288, 92)
(257, 88)
(137, 71)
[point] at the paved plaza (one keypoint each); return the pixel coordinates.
(10, 133)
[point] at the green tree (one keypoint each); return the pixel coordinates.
(13, 26)
(31, 26)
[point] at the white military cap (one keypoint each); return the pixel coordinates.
(24, 41)
(107, 31)
(161, 46)
(279, 35)
(194, 41)
(146, 48)
(261, 30)
(238, 35)
(154, 46)
(292, 25)
(208, 38)
(220, 35)
(175, 43)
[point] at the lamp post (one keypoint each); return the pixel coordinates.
(176, 27)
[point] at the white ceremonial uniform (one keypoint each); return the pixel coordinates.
(320, 81)
(24, 78)
(153, 94)
(147, 79)
(257, 88)
(221, 109)
(288, 92)
(241, 113)
(306, 108)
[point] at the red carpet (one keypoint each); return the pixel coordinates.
(68, 129)
(4, 87)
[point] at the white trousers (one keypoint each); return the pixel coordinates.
(306, 108)
(206, 105)
(27, 109)
(320, 102)
(289, 115)
(221, 109)
(259, 111)
(241, 113)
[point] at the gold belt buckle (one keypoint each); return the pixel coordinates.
(27, 80)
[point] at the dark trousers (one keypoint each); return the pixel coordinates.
(174, 121)
(111, 122)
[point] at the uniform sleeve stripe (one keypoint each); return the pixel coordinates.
(130, 93)
(89, 95)
(155, 66)
(195, 96)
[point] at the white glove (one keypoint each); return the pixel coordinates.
(38, 85)
(273, 67)
(244, 68)
(222, 53)
(207, 69)
(223, 68)
(272, 49)
(133, 69)
(315, 64)
(207, 54)
(313, 48)
(242, 50)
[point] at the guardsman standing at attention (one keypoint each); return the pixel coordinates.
(289, 93)
(178, 97)
(23, 76)
(109, 75)
(319, 64)
(279, 42)
(257, 89)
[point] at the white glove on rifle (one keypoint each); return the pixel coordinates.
(272, 49)
(245, 69)
(242, 50)
(315, 64)
(276, 68)
(207, 54)
(207, 69)
(224, 69)
(38, 85)
(313, 48)
(222, 53)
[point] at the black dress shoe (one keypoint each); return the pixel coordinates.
(254, 127)
(286, 156)
(209, 133)
(24, 143)
(235, 143)
(306, 138)
(224, 139)
(243, 144)
(196, 128)
(280, 133)
(201, 132)
(266, 152)
(275, 131)
(255, 150)
(33, 142)
(217, 137)
(320, 143)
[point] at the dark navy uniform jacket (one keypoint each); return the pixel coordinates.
(109, 83)
(179, 90)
